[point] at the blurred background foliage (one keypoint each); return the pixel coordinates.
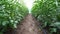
(48, 12)
(11, 13)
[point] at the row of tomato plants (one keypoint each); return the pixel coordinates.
(48, 12)
(11, 13)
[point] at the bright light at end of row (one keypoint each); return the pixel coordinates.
(29, 4)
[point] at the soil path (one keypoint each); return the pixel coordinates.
(28, 26)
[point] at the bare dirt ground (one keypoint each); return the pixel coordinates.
(28, 26)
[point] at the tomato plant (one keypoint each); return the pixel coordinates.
(48, 12)
(11, 13)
